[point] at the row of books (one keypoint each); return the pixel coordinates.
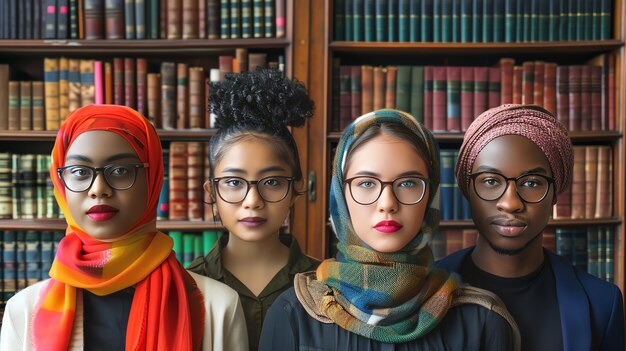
(174, 97)
(591, 191)
(453, 205)
(468, 21)
(590, 249)
(448, 98)
(27, 255)
(142, 19)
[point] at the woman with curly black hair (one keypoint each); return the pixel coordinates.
(255, 174)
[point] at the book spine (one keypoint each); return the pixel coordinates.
(357, 20)
(494, 87)
(437, 30)
(182, 97)
(488, 13)
(64, 88)
(168, 98)
(592, 250)
(467, 17)
(140, 19)
(554, 20)
(39, 117)
(575, 98)
(355, 91)
(62, 18)
(604, 184)
(538, 83)
(345, 96)
(42, 174)
(403, 20)
(427, 20)
(585, 97)
(178, 181)
(392, 20)
(481, 86)
(129, 19)
(403, 88)
(391, 75)
(235, 19)
(381, 7)
(549, 88)
(453, 99)
(446, 185)
(477, 21)
(154, 99)
(439, 99)
(246, 18)
(591, 180)
(4, 96)
(528, 82)
(270, 19)
(367, 89)
(339, 25)
(379, 88)
(415, 16)
(118, 81)
(6, 186)
(98, 82)
(416, 98)
(130, 84)
(26, 92)
(108, 83)
(214, 22)
(467, 97)
(174, 20)
(578, 183)
(506, 80)
(197, 104)
(141, 83)
(73, 78)
(163, 206)
(562, 95)
(428, 96)
(93, 19)
(14, 105)
(51, 78)
(195, 168)
(50, 20)
(498, 21)
(596, 97)
(369, 19)
(114, 19)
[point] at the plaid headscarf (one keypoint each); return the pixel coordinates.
(389, 297)
(167, 311)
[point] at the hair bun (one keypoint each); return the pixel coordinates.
(261, 98)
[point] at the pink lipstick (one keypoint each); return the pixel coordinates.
(253, 222)
(388, 227)
(100, 213)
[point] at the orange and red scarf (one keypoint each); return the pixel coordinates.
(167, 311)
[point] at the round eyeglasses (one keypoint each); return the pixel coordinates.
(235, 189)
(79, 178)
(531, 188)
(367, 190)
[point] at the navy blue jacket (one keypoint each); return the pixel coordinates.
(592, 310)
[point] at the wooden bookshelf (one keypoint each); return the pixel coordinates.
(322, 138)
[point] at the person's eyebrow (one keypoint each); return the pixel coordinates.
(262, 171)
(530, 171)
(117, 157)
(374, 174)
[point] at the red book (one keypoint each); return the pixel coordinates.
(130, 85)
(538, 83)
(596, 97)
(108, 83)
(379, 88)
(528, 76)
(604, 183)
(390, 87)
(517, 84)
(506, 80)
(585, 97)
(142, 83)
(367, 89)
(453, 99)
(439, 99)
(428, 97)
(549, 87)
(182, 102)
(578, 183)
(118, 81)
(575, 98)
(563, 207)
(355, 91)
(494, 87)
(467, 97)
(562, 95)
(481, 77)
(226, 65)
(195, 171)
(591, 180)
(178, 181)
(345, 96)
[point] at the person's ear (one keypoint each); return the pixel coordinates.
(208, 187)
(554, 197)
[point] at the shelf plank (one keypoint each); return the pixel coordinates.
(425, 48)
(50, 135)
(551, 223)
(172, 47)
(609, 135)
(59, 224)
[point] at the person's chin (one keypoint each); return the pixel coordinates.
(507, 247)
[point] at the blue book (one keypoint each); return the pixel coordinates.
(605, 19)
(347, 17)
(446, 21)
(357, 20)
(381, 8)
(392, 20)
(32, 257)
(47, 253)
(488, 12)
(579, 249)
(369, 19)
(20, 259)
(9, 264)
(456, 21)
(564, 246)
(446, 186)
(477, 21)
(609, 252)
(592, 250)
(163, 207)
(437, 28)
(554, 25)
(427, 20)
(403, 21)
(498, 21)
(466, 21)
(415, 17)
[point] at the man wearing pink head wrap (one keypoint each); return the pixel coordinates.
(514, 161)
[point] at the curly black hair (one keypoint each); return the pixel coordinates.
(261, 104)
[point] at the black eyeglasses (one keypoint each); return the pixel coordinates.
(235, 189)
(407, 190)
(79, 178)
(531, 188)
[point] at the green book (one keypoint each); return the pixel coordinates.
(466, 21)
(258, 10)
(339, 24)
(427, 20)
(456, 22)
(446, 21)
(179, 246)
(519, 21)
(610, 251)
(348, 10)
(381, 19)
(564, 17)
(544, 18)
(580, 20)
(553, 21)
(414, 21)
(534, 20)
(246, 19)
(269, 14)
(224, 19)
(392, 19)
(403, 20)
(477, 21)
(209, 238)
(509, 21)
(498, 21)
(417, 93)
(357, 20)
(437, 17)
(188, 248)
(369, 19)
(403, 88)
(605, 20)
(488, 13)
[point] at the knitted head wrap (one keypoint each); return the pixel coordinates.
(530, 121)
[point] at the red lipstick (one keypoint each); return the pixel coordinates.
(100, 213)
(388, 227)
(253, 222)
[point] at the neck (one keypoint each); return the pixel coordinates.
(508, 266)
(239, 251)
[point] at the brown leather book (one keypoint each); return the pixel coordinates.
(178, 181)
(74, 82)
(142, 92)
(81, 19)
(367, 89)
(195, 171)
(174, 20)
(528, 84)
(168, 95)
(506, 80)
(517, 84)
(4, 96)
(190, 19)
(197, 103)
(255, 60)
(202, 15)
(596, 97)
(118, 81)
(163, 19)
(591, 180)
(130, 85)
(538, 77)
(182, 96)
(51, 76)
(355, 91)
(64, 88)
(469, 237)
(26, 118)
(390, 87)
(94, 25)
(578, 183)
(108, 83)
(87, 87)
(39, 116)
(563, 207)
(14, 105)
(114, 19)
(575, 87)
(226, 65)
(604, 185)
(345, 96)
(585, 97)
(549, 87)
(154, 99)
(379, 88)
(213, 19)
(241, 55)
(207, 114)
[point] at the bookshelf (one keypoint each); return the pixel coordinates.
(323, 135)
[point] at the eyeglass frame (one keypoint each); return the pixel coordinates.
(102, 170)
(382, 187)
(550, 181)
(249, 184)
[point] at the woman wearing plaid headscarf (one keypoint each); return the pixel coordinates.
(115, 282)
(381, 291)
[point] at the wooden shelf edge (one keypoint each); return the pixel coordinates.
(475, 48)
(59, 224)
(50, 135)
(129, 46)
(609, 135)
(551, 223)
